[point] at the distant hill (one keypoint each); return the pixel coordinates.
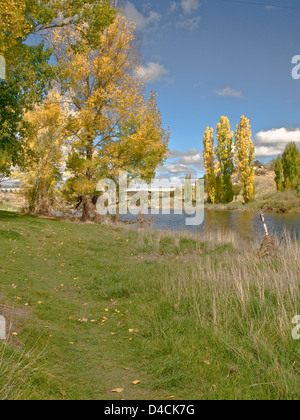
(264, 180)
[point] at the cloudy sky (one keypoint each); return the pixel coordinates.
(208, 58)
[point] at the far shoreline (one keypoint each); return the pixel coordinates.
(245, 208)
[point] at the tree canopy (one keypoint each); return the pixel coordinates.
(24, 26)
(87, 51)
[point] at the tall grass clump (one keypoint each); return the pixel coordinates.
(22, 371)
(228, 315)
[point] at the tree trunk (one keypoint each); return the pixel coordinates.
(86, 208)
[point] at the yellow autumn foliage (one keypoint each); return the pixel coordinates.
(209, 163)
(13, 24)
(112, 126)
(244, 157)
(43, 153)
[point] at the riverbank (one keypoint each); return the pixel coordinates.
(272, 202)
(93, 309)
(287, 202)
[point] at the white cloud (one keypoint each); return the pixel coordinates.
(152, 71)
(191, 24)
(142, 22)
(192, 157)
(233, 93)
(190, 6)
(181, 164)
(177, 169)
(191, 160)
(171, 180)
(272, 143)
(186, 8)
(173, 7)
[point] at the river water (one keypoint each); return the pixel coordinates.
(246, 224)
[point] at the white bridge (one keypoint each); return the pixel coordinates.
(150, 189)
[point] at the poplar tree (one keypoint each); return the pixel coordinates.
(244, 157)
(278, 174)
(210, 165)
(291, 166)
(224, 154)
(188, 188)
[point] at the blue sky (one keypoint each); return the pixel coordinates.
(221, 57)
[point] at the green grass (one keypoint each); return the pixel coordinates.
(98, 307)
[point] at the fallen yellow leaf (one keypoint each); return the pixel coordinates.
(118, 390)
(136, 382)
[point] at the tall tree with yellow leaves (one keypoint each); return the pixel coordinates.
(43, 153)
(142, 144)
(28, 70)
(210, 164)
(113, 127)
(244, 156)
(224, 154)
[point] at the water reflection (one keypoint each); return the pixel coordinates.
(247, 224)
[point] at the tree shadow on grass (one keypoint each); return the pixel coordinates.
(9, 216)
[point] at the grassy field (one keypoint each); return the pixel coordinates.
(92, 309)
